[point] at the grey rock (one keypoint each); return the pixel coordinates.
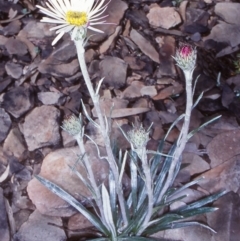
(18, 101)
(41, 127)
(15, 46)
(37, 228)
(62, 62)
(51, 98)
(5, 124)
(229, 12)
(144, 45)
(14, 143)
(115, 12)
(166, 17)
(12, 28)
(14, 70)
(226, 33)
(114, 71)
(226, 220)
(4, 228)
(56, 168)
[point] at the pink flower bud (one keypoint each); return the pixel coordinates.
(186, 57)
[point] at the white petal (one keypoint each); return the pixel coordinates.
(57, 38)
(65, 29)
(58, 27)
(50, 20)
(95, 29)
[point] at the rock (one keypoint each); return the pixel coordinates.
(195, 163)
(14, 143)
(18, 101)
(222, 31)
(167, 50)
(41, 127)
(51, 98)
(228, 11)
(3, 40)
(144, 45)
(106, 45)
(226, 220)
(115, 12)
(196, 37)
(37, 228)
(56, 168)
(62, 62)
(67, 139)
(175, 89)
(5, 83)
(148, 91)
(12, 28)
(15, 46)
(134, 63)
(223, 147)
(21, 217)
(133, 91)
(5, 124)
(4, 228)
(199, 16)
(78, 223)
(218, 177)
(114, 71)
(166, 17)
(14, 70)
(108, 105)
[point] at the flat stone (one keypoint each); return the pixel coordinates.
(15, 46)
(56, 168)
(218, 178)
(226, 220)
(144, 45)
(195, 163)
(14, 143)
(224, 33)
(148, 91)
(37, 228)
(4, 228)
(62, 62)
(18, 101)
(51, 98)
(167, 45)
(5, 124)
(3, 40)
(12, 28)
(133, 91)
(77, 223)
(14, 70)
(229, 12)
(114, 71)
(223, 147)
(41, 127)
(166, 17)
(115, 12)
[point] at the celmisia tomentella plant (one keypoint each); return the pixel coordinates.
(144, 209)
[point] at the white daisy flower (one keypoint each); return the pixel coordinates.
(73, 16)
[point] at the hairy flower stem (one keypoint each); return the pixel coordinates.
(91, 177)
(104, 131)
(148, 182)
(182, 140)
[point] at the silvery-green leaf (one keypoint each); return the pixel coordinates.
(202, 126)
(134, 183)
(107, 211)
(75, 203)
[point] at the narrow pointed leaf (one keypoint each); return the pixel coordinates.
(74, 202)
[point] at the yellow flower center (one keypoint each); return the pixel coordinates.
(76, 18)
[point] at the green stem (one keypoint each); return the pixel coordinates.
(104, 131)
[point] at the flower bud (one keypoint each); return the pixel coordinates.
(138, 137)
(186, 57)
(73, 125)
